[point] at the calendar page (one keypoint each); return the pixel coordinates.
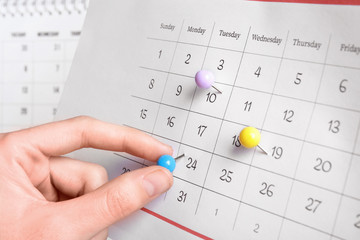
(38, 40)
(291, 70)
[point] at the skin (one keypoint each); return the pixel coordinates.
(46, 196)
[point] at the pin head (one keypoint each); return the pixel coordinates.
(167, 161)
(249, 137)
(204, 79)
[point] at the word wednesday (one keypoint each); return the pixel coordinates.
(262, 38)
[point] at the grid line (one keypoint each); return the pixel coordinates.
(238, 123)
(258, 54)
(303, 140)
(237, 200)
(259, 91)
(346, 179)
(272, 94)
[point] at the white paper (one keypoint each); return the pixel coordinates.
(291, 70)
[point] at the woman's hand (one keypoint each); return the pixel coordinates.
(46, 196)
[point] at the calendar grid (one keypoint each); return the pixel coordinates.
(222, 121)
(192, 100)
(229, 121)
(263, 122)
(163, 92)
(167, 77)
(265, 130)
(252, 53)
(259, 91)
(32, 84)
(252, 167)
(305, 137)
(223, 117)
(36, 58)
(237, 200)
(243, 163)
(346, 179)
(37, 104)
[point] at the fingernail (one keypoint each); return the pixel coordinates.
(168, 149)
(156, 182)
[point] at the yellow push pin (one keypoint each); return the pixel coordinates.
(250, 137)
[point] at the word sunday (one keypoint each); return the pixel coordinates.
(167, 26)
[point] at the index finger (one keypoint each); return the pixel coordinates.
(62, 137)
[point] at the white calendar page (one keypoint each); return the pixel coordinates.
(38, 40)
(290, 70)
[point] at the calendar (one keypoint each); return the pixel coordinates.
(38, 40)
(290, 70)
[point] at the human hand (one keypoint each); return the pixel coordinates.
(46, 196)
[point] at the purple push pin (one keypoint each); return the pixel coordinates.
(205, 79)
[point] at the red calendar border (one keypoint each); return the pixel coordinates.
(182, 227)
(330, 2)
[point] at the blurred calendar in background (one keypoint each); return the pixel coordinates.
(38, 40)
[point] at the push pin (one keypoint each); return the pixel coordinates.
(168, 161)
(250, 137)
(205, 79)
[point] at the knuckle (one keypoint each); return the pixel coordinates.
(83, 124)
(126, 143)
(13, 146)
(8, 139)
(99, 176)
(83, 118)
(101, 173)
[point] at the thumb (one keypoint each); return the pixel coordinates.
(95, 211)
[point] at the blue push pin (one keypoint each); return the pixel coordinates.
(168, 161)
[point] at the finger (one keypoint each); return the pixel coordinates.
(59, 138)
(102, 235)
(95, 211)
(72, 178)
